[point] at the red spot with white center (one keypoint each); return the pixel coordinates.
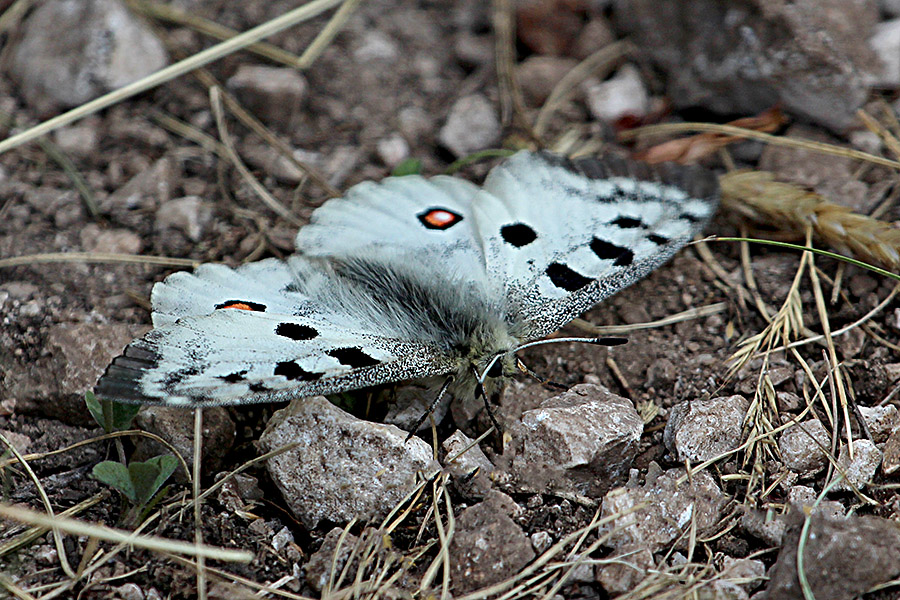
(439, 218)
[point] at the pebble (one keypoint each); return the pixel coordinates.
(541, 541)
(538, 75)
(626, 568)
(114, 241)
(176, 426)
(799, 453)
(191, 215)
(149, 188)
(623, 95)
(72, 51)
(704, 429)
(804, 498)
(273, 94)
(320, 563)
(471, 471)
(582, 441)
(487, 546)
(281, 539)
(129, 591)
(881, 420)
(843, 558)
(885, 41)
(596, 34)
(392, 149)
(79, 139)
(471, 125)
(338, 453)
(859, 470)
(669, 508)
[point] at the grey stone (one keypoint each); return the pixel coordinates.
(115, 241)
(335, 552)
(582, 441)
(668, 508)
(541, 541)
(281, 539)
(627, 567)
(149, 188)
(804, 498)
(408, 402)
(176, 426)
(859, 470)
(763, 525)
(471, 125)
(274, 94)
(885, 42)
(891, 459)
(623, 95)
(392, 149)
(745, 572)
(72, 51)
(843, 558)
(344, 467)
(881, 420)
(799, 448)
(191, 215)
(471, 471)
(745, 56)
(488, 546)
(538, 75)
(703, 429)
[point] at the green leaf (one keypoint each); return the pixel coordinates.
(148, 476)
(409, 166)
(116, 475)
(111, 416)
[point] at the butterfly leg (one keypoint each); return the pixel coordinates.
(540, 379)
(431, 407)
(479, 390)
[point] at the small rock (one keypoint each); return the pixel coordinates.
(238, 491)
(672, 506)
(627, 567)
(471, 470)
(704, 429)
(375, 46)
(798, 450)
(318, 568)
(410, 401)
(80, 138)
(744, 572)
(859, 470)
(624, 95)
(541, 541)
(788, 401)
(891, 8)
(472, 51)
(582, 441)
(150, 188)
(72, 51)
(281, 539)
(345, 467)
(129, 591)
(885, 41)
(881, 420)
(862, 285)
(191, 215)
(843, 558)
(115, 241)
(538, 75)
(547, 26)
(20, 290)
(274, 94)
(269, 160)
(488, 546)
(471, 125)
(891, 461)
(176, 426)
(392, 149)
(596, 34)
(804, 498)
(18, 441)
(767, 526)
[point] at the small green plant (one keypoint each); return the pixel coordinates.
(409, 166)
(140, 483)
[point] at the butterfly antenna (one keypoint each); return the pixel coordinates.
(597, 341)
(430, 408)
(479, 390)
(543, 380)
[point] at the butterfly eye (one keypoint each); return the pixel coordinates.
(439, 218)
(496, 369)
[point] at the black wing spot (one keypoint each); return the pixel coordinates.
(439, 218)
(258, 387)
(565, 278)
(689, 217)
(234, 377)
(243, 305)
(627, 223)
(354, 358)
(178, 376)
(296, 331)
(607, 251)
(658, 239)
(291, 370)
(624, 259)
(518, 234)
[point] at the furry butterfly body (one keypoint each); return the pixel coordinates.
(411, 278)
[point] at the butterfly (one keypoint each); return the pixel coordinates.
(415, 277)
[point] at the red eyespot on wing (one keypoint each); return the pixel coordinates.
(439, 218)
(243, 305)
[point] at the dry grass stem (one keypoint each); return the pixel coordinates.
(756, 195)
(686, 315)
(97, 257)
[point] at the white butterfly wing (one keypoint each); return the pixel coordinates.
(561, 235)
(229, 336)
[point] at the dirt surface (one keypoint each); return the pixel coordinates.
(381, 92)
